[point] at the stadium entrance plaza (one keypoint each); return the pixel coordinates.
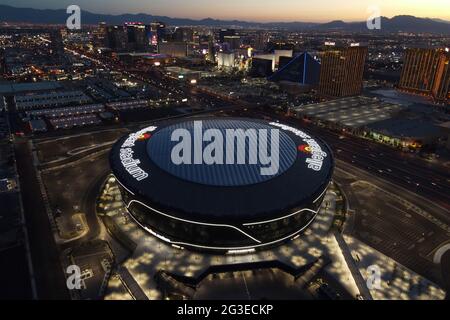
(150, 255)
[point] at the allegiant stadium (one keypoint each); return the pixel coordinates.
(222, 184)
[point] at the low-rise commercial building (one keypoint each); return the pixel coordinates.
(352, 113)
(374, 119)
(48, 100)
(66, 111)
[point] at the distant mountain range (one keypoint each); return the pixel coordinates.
(395, 24)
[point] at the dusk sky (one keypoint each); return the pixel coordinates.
(254, 10)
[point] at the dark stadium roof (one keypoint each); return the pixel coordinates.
(222, 195)
(160, 146)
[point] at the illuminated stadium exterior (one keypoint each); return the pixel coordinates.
(241, 206)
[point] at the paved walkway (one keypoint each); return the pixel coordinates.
(131, 284)
(397, 282)
(359, 280)
(152, 255)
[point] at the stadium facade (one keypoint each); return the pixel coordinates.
(236, 201)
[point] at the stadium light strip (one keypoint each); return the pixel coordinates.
(253, 223)
(324, 191)
(186, 244)
(192, 222)
(281, 218)
(123, 185)
(249, 247)
(220, 225)
(289, 215)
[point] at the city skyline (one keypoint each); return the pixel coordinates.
(252, 10)
(277, 151)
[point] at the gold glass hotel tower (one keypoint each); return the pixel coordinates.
(342, 70)
(426, 71)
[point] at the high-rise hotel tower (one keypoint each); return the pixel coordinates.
(342, 70)
(426, 71)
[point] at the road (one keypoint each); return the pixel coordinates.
(156, 79)
(417, 175)
(430, 180)
(389, 224)
(50, 280)
(398, 232)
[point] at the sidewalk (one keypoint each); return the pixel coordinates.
(152, 254)
(397, 282)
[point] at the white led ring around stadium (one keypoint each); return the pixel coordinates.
(223, 225)
(217, 248)
(222, 248)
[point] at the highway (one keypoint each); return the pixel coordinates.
(430, 180)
